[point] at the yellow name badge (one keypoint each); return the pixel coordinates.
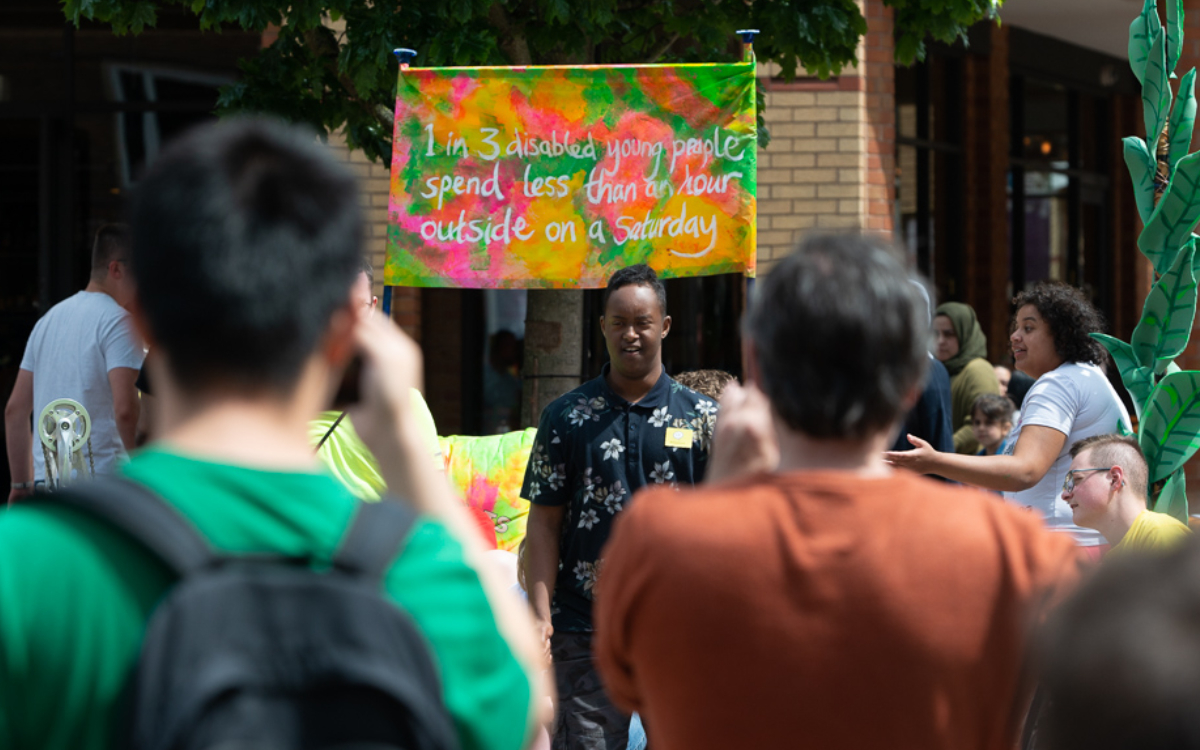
(677, 437)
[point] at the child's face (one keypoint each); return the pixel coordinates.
(989, 432)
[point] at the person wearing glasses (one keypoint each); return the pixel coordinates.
(1106, 491)
(1071, 400)
(85, 349)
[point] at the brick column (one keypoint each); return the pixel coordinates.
(880, 118)
(1190, 360)
(374, 181)
(831, 162)
(985, 260)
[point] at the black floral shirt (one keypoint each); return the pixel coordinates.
(593, 450)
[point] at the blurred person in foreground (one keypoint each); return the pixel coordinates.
(831, 602)
(1120, 660)
(1106, 489)
(246, 243)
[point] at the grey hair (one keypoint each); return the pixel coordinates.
(840, 336)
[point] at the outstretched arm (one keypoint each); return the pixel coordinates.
(1034, 454)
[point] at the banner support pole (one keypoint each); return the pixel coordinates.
(747, 43)
(404, 56)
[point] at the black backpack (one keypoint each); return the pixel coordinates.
(266, 653)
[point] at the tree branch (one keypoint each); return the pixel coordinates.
(512, 38)
(662, 49)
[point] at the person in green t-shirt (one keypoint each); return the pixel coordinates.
(1106, 489)
(246, 241)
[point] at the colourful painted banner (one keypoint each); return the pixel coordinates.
(555, 177)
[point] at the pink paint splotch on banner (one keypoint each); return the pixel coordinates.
(554, 177)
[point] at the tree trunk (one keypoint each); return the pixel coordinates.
(553, 364)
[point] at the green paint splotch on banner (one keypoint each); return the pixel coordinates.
(554, 177)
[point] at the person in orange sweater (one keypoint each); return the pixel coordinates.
(825, 599)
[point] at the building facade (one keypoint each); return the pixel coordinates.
(994, 163)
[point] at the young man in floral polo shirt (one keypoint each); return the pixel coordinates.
(633, 426)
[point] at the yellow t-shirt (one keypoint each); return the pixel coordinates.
(349, 459)
(1152, 531)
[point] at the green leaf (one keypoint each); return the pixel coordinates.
(1183, 119)
(1122, 428)
(1173, 498)
(1156, 90)
(1141, 33)
(1162, 333)
(1174, 33)
(1141, 167)
(1169, 433)
(1170, 225)
(1135, 377)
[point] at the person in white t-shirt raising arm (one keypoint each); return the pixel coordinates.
(1071, 400)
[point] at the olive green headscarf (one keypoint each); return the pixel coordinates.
(972, 343)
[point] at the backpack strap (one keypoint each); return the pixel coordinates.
(376, 535)
(143, 515)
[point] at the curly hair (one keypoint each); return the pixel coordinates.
(1071, 318)
(710, 383)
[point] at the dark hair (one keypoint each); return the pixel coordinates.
(1018, 386)
(246, 237)
(638, 275)
(840, 336)
(1118, 450)
(1070, 317)
(710, 383)
(994, 407)
(111, 243)
(366, 267)
(1121, 660)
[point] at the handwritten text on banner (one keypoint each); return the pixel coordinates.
(557, 176)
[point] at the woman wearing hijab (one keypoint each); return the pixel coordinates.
(962, 348)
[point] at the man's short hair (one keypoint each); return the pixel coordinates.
(1121, 660)
(111, 243)
(994, 407)
(369, 270)
(637, 275)
(840, 336)
(711, 383)
(247, 235)
(1118, 450)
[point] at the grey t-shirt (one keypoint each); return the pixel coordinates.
(70, 352)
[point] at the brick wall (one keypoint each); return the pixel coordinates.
(373, 182)
(1189, 58)
(985, 219)
(831, 161)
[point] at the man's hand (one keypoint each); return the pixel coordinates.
(544, 631)
(744, 440)
(543, 530)
(392, 366)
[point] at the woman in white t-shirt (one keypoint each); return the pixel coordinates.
(1071, 400)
